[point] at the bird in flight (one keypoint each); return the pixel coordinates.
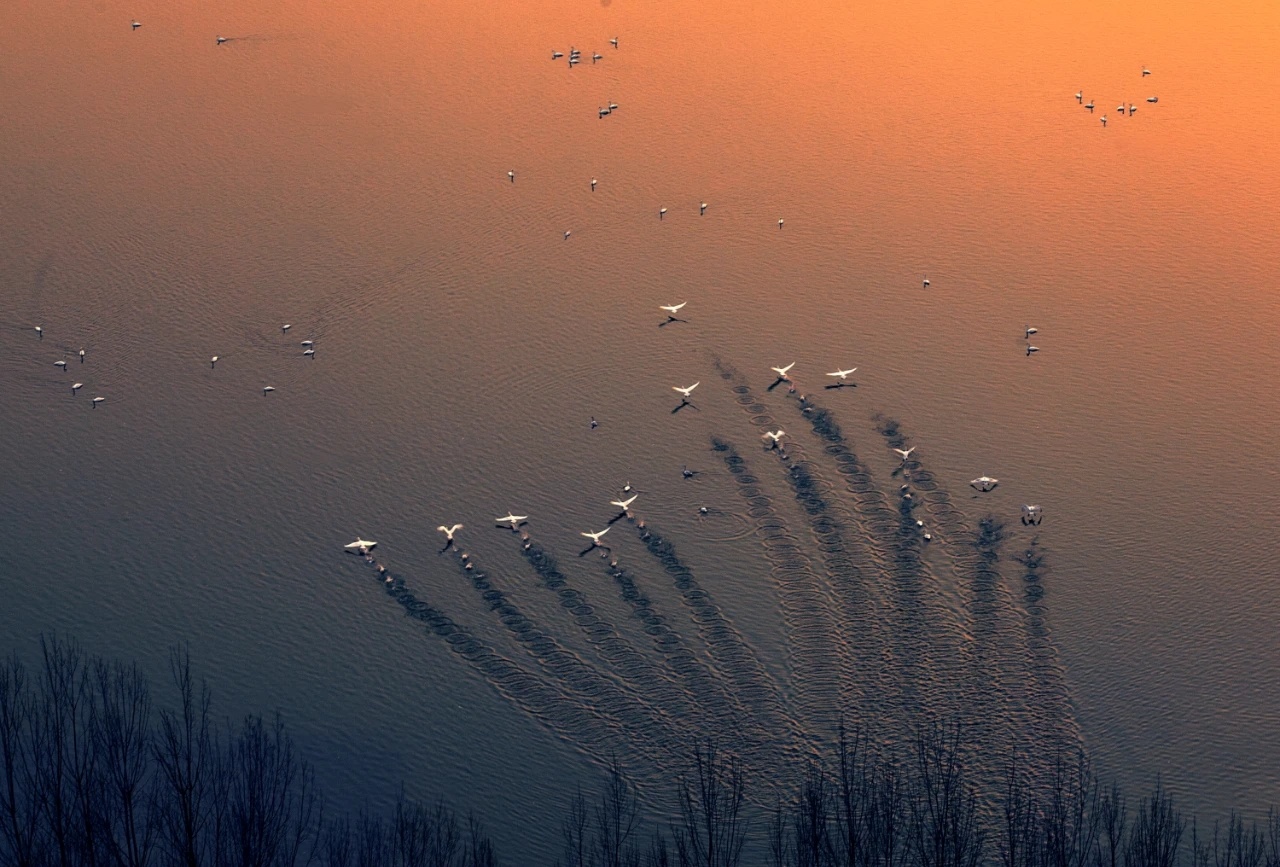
(448, 533)
(1032, 515)
(985, 483)
(360, 546)
(686, 391)
(782, 371)
(624, 505)
(774, 436)
(595, 538)
(842, 374)
(906, 453)
(514, 520)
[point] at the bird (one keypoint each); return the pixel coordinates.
(308, 343)
(512, 176)
(593, 184)
(220, 39)
(1031, 349)
(702, 208)
(782, 371)
(614, 42)
(1153, 99)
(602, 111)
(567, 233)
(514, 520)
(1104, 121)
(1145, 72)
(1032, 330)
(1120, 108)
(62, 364)
(688, 473)
(842, 374)
(213, 361)
(310, 353)
(686, 391)
(662, 212)
(1032, 515)
(449, 531)
(82, 356)
(672, 309)
(574, 60)
(596, 56)
(613, 106)
(985, 483)
(97, 400)
(556, 55)
(595, 537)
(624, 505)
(1080, 96)
(135, 24)
(1132, 109)
(780, 222)
(906, 453)
(774, 436)
(594, 424)
(284, 328)
(925, 283)
(77, 387)
(40, 331)
(360, 546)
(267, 388)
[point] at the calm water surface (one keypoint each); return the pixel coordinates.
(343, 168)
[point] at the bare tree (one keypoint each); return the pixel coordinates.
(127, 805)
(615, 816)
(943, 807)
(573, 831)
(1113, 824)
(1156, 833)
(1070, 825)
(711, 832)
(190, 782)
(1019, 840)
(19, 794)
(812, 821)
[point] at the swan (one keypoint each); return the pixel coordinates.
(624, 505)
(449, 531)
(1032, 515)
(662, 212)
(686, 391)
(672, 308)
(906, 453)
(702, 208)
(267, 388)
(360, 546)
(213, 361)
(595, 537)
(985, 483)
(925, 283)
(97, 400)
(843, 374)
(593, 184)
(782, 371)
(514, 520)
(62, 364)
(77, 387)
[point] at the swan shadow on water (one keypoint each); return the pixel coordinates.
(671, 319)
(841, 385)
(683, 404)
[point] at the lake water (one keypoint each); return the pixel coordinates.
(342, 168)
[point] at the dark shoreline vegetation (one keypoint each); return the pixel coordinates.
(91, 773)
